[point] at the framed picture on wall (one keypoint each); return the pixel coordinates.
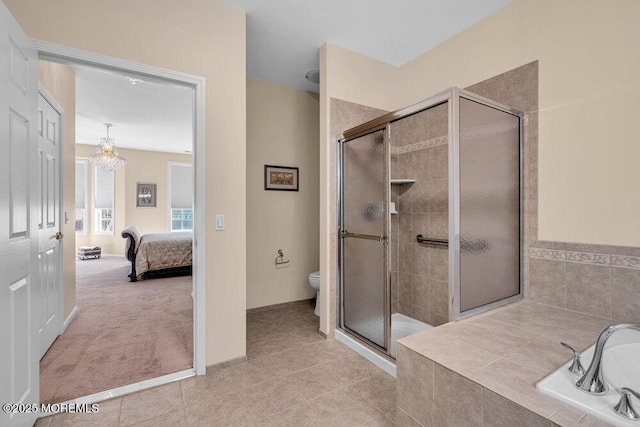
(280, 178)
(146, 195)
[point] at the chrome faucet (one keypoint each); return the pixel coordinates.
(593, 380)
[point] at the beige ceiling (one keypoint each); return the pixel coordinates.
(149, 115)
(283, 36)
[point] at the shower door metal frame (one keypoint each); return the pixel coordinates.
(452, 96)
(384, 240)
(454, 203)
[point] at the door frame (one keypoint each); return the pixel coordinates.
(66, 55)
(52, 101)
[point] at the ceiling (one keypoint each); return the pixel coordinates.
(283, 36)
(149, 115)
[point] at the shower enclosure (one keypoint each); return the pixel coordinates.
(429, 206)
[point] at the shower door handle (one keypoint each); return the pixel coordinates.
(384, 239)
(431, 241)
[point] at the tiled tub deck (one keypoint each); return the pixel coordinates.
(483, 370)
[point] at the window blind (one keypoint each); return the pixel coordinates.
(104, 189)
(181, 186)
(81, 184)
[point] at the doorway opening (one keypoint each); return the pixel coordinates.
(150, 331)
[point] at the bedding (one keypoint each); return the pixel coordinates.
(158, 254)
(159, 251)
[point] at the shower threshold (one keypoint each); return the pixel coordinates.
(401, 326)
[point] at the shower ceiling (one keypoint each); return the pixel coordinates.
(283, 36)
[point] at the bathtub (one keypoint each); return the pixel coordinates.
(401, 326)
(621, 367)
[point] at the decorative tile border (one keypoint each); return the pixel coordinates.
(588, 258)
(626, 261)
(441, 140)
(548, 254)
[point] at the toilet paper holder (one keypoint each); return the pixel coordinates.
(280, 258)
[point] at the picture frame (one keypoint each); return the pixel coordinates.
(281, 178)
(146, 195)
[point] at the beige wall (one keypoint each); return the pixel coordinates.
(588, 98)
(142, 166)
(200, 37)
(353, 77)
(60, 82)
(282, 129)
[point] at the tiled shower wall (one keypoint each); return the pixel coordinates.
(419, 272)
(412, 295)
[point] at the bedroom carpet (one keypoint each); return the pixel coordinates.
(123, 333)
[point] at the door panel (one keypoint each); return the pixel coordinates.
(18, 178)
(364, 201)
(364, 184)
(489, 205)
(364, 272)
(19, 205)
(49, 246)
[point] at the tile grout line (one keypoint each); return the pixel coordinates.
(344, 386)
(120, 412)
(284, 376)
(184, 404)
(284, 351)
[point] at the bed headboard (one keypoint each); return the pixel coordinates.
(133, 235)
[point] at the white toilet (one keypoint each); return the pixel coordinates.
(314, 282)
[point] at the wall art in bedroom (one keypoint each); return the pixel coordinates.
(280, 178)
(146, 195)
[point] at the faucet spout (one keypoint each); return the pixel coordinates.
(593, 380)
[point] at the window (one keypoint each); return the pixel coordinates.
(180, 196)
(103, 201)
(81, 197)
(181, 219)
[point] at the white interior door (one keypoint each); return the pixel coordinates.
(49, 248)
(18, 223)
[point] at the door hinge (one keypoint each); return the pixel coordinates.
(384, 239)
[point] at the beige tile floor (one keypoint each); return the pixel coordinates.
(294, 377)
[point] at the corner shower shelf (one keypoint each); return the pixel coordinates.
(402, 181)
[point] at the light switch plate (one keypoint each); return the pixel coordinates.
(220, 222)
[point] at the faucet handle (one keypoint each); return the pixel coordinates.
(624, 408)
(576, 367)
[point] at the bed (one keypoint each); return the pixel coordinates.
(158, 254)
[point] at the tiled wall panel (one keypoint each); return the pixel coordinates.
(598, 280)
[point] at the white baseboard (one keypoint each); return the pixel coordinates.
(69, 319)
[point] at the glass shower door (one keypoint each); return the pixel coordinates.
(489, 205)
(363, 237)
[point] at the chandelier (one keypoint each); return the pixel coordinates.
(106, 157)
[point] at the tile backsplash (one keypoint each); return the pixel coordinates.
(419, 150)
(598, 280)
